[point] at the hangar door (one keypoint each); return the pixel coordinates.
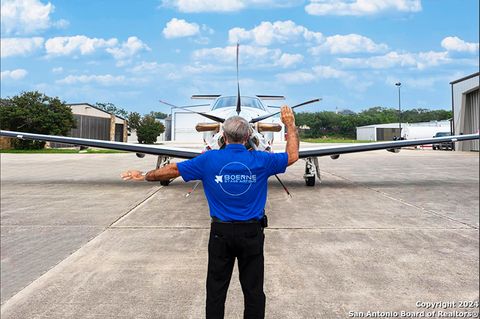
(184, 127)
(88, 127)
(118, 132)
(387, 134)
(472, 114)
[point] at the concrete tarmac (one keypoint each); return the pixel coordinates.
(382, 232)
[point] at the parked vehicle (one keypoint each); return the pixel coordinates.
(445, 145)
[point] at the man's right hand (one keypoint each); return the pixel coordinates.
(292, 135)
(286, 115)
(133, 175)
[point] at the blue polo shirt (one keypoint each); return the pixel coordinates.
(234, 179)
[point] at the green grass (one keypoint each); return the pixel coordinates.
(331, 140)
(63, 151)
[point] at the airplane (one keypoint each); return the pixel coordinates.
(261, 134)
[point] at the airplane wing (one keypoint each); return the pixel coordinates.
(345, 149)
(129, 147)
(189, 153)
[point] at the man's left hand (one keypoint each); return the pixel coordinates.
(133, 175)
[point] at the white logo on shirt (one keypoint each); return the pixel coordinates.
(238, 183)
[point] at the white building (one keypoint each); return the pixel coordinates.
(184, 122)
(466, 109)
(410, 131)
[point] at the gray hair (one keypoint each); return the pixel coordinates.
(236, 129)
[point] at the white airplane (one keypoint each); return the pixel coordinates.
(261, 135)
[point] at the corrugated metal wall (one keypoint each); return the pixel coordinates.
(387, 134)
(472, 118)
(88, 127)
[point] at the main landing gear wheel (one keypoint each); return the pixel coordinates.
(161, 162)
(164, 183)
(310, 181)
(311, 171)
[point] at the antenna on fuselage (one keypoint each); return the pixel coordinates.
(239, 108)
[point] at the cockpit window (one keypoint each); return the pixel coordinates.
(246, 101)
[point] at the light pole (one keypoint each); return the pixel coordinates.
(399, 109)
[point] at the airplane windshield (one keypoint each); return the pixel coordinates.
(232, 101)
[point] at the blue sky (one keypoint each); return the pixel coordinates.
(133, 53)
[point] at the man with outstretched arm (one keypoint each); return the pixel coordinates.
(235, 185)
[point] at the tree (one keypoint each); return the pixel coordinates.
(111, 108)
(134, 119)
(344, 125)
(158, 115)
(34, 112)
(425, 115)
(149, 129)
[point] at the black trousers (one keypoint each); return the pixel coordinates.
(228, 241)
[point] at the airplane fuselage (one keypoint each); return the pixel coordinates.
(260, 139)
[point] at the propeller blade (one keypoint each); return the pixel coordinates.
(208, 116)
(263, 117)
(238, 86)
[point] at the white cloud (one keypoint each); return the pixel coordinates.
(57, 70)
(17, 74)
(350, 43)
(267, 33)
(227, 54)
(27, 16)
(61, 24)
(361, 7)
(19, 46)
(316, 73)
(191, 6)
(76, 44)
(106, 79)
(207, 29)
(457, 44)
(392, 59)
(423, 82)
(202, 40)
(202, 68)
(178, 28)
(250, 55)
(205, 5)
(152, 68)
(277, 32)
(287, 60)
(296, 77)
(327, 72)
(128, 49)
